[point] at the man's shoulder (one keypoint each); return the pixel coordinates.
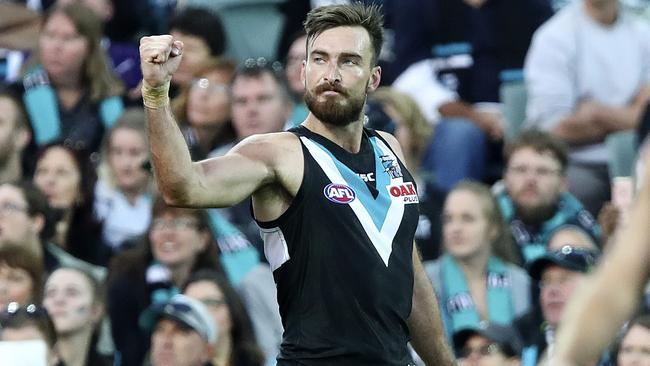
(269, 145)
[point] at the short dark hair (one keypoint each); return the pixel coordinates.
(203, 24)
(539, 141)
(369, 17)
(257, 67)
(37, 205)
(19, 257)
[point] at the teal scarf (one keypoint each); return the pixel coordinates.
(459, 304)
(42, 106)
(238, 256)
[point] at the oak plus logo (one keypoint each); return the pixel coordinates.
(339, 193)
(404, 192)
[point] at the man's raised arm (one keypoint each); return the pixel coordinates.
(217, 182)
(599, 309)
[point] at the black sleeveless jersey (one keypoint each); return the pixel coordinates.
(341, 256)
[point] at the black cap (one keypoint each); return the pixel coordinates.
(568, 257)
(505, 337)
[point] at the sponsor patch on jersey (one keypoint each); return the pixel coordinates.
(404, 192)
(339, 193)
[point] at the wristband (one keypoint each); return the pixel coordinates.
(155, 97)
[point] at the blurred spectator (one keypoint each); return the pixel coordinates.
(14, 137)
(534, 200)
(29, 322)
(73, 299)
(123, 191)
(474, 42)
(251, 27)
(236, 344)
(397, 113)
(121, 47)
(203, 109)
(260, 103)
(69, 92)
(21, 276)
(632, 347)
(261, 300)
(588, 76)
(474, 281)
(490, 345)
(183, 333)
(296, 54)
(557, 275)
(177, 243)
(67, 178)
(28, 223)
(203, 40)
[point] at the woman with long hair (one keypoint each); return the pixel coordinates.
(177, 243)
(123, 193)
(70, 92)
(236, 345)
(476, 279)
(67, 178)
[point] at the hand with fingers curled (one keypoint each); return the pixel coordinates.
(159, 59)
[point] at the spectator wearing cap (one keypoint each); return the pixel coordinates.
(490, 345)
(183, 333)
(534, 198)
(557, 275)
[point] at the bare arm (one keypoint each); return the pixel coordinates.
(427, 332)
(611, 296)
(216, 182)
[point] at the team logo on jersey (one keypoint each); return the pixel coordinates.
(404, 191)
(339, 193)
(391, 167)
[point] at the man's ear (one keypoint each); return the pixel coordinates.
(375, 79)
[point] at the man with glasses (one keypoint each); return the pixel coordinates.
(491, 345)
(182, 332)
(557, 275)
(534, 198)
(336, 205)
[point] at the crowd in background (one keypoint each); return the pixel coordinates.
(521, 121)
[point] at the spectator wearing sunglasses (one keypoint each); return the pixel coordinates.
(29, 323)
(556, 276)
(236, 345)
(183, 333)
(492, 345)
(203, 108)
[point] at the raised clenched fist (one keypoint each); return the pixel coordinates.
(159, 59)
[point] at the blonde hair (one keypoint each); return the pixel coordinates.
(411, 116)
(502, 244)
(132, 119)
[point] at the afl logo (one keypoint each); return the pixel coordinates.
(339, 193)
